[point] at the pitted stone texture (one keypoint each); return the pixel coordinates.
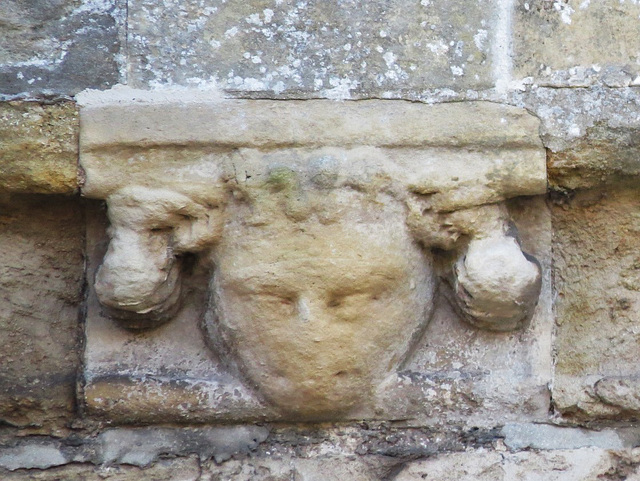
(588, 464)
(575, 43)
(38, 148)
(315, 468)
(41, 273)
(309, 219)
(58, 47)
(176, 469)
(482, 378)
(592, 135)
(597, 272)
(312, 48)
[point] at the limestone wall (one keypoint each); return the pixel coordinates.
(454, 183)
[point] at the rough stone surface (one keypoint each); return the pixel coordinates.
(591, 134)
(368, 451)
(597, 272)
(312, 453)
(587, 464)
(283, 203)
(142, 447)
(179, 469)
(317, 468)
(36, 456)
(38, 148)
(41, 281)
(312, 48)
(545, 436)
(577, 43)
(58, 47)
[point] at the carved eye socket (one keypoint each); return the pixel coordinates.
(280, 303)
(158, 230)
(334, 301)
(354, 299)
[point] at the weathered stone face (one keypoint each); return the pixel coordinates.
(320, 248)
(316, 222)
(319, 313)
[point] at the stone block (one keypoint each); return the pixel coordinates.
(142, 447)
(312, 49)
(41, 279)
(587, 464)
(597, 272)
(307, 219)
(576, 43)
(518, 436)
(38, 148)
(316, 468)
(592, 135)
(175, 469)
(58, 47)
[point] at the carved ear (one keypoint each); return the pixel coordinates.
(139, 279)
(495, 285)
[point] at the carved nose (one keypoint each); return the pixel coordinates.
(312, 310)
(304, 313)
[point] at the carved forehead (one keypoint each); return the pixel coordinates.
(340, 255)
(265, 212)
(344, 235)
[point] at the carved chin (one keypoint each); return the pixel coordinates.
(326, 396)
(317, 359)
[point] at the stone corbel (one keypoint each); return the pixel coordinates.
(320, 224)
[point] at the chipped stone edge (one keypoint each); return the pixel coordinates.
(135, 446)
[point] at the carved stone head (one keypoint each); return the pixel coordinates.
(317, 310)
(322, 255)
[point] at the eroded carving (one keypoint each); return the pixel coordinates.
(323, 272)
(139, 279)
(311, 280)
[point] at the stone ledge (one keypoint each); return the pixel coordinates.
(591, 144)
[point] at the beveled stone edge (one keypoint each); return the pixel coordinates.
(191, 117)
